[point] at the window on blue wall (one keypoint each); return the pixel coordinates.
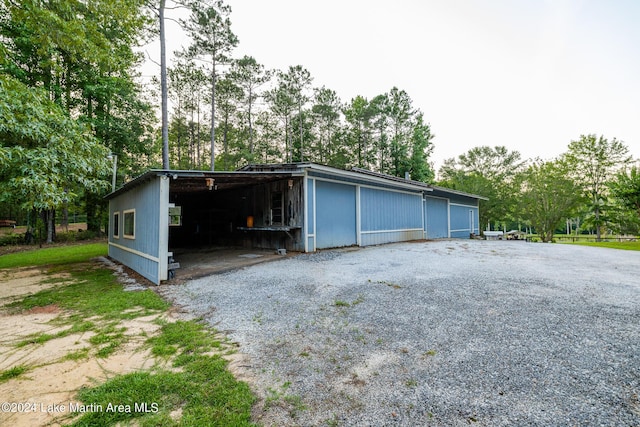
(129, 230)
(116, 225)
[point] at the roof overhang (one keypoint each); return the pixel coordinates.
(190, 181)
(197, 181)
(356, 174)
(459, 193)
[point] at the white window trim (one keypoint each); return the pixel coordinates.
(124, 231)
(116, 225)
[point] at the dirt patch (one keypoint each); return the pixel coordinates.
(24, 281)
(57, 368)
(51, 308)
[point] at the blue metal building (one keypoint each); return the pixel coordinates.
(301, 207)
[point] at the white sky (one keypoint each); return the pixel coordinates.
(528, 74)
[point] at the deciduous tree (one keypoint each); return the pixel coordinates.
(489, 172)
(46, 158)
(548, 195)
(594, 161)
(626, 188)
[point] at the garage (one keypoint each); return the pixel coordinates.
(243, 209)
(163, 216)
(436, 217)
(335, 215)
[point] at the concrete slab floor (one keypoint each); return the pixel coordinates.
(201, 262)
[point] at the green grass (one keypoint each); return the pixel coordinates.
(202, 388)
(59, 255)
(41, 338)
(93, 291)
(77, 355)
(187, 338)
(630, 246)
(11, 373)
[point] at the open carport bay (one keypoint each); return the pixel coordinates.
(435, 333)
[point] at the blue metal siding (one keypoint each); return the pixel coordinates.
(436, 218)
(389, 210)
(382, 237)
(335, 215)
(389, 216)
(461, 221)
(144, 266)
(145, 199)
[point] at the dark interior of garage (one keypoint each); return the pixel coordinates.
(261, 211)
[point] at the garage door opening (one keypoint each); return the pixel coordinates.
(252, 214)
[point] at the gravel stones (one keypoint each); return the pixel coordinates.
(436, 333)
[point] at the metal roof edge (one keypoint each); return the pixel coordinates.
(459, 193)
(295, 169)
(372, 177)
(174, 173)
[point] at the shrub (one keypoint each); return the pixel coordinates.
(12, 239)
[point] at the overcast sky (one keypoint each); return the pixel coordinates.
(531, 75)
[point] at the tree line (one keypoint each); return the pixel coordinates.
(593, 187)
(232, 111)
(68, 97)
(72, 101)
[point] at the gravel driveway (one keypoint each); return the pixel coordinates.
(447, 333)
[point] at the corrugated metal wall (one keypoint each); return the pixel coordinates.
(389, 216)
(335, 215)
(143, 252)
(464, 220)
(436, 218)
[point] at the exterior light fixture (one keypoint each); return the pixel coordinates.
(290, 183)
(211, 183)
